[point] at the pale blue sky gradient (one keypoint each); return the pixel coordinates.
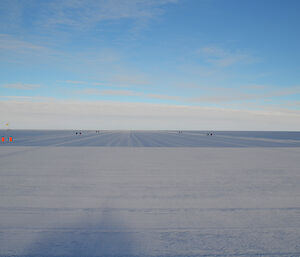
(227, 55)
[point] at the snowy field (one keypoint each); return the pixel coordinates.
(152, 138)
(145, 193)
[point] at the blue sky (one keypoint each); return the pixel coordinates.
(215, 55)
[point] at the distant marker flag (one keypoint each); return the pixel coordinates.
(9, 138)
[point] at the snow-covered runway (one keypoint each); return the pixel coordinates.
(152, 138)
(230, 197)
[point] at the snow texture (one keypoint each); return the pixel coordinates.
(231, 197)
(151, 138)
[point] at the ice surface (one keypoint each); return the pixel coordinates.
(150, 201)
(152, 138)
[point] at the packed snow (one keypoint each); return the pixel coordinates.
(143, 193)
(151, 138)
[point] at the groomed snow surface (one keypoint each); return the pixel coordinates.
(186, 194)
(152, 138)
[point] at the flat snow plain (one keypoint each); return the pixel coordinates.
(142, 193)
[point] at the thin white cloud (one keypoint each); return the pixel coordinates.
(213, 51)
(164, 97)
(99, 84)
(21, 86)
(87, 12)
(8, 42)
(80, 13)
(26, 98)
(129, 78)
(88, 91)
(109, 92)
(139, 94)
(229, 60)
(102, 64)
(227, 95)
(114, 115)
(222, 98)
(105, 64)
(213, 96)
(75, 82)
(224, 58)
(121, 93)
(16, 50)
